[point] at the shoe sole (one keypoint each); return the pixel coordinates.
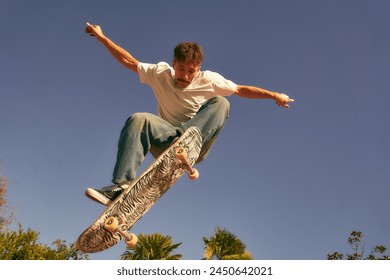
(98, 197)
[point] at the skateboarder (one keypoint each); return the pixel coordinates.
(186, 96)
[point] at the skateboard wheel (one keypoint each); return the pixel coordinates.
(194, 174)
(111, 224)
(131, 240)
(181, 153)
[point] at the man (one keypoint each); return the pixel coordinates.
(186, 97)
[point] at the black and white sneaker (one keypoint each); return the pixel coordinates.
(107, 194)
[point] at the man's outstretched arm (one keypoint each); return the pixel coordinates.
(120, 54)
(256, 92)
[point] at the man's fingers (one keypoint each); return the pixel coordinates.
(89, 29)
(282, 104)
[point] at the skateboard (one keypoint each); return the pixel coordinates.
(119, 217)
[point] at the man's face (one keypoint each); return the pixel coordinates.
(185, 72)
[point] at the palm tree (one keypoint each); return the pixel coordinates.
(154, 246)
(224, 245)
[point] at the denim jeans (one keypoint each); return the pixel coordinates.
(145, 132)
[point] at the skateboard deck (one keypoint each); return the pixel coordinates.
(142, 194)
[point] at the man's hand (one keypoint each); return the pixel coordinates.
(283, 100)
(120, 54)
(94, 30)
(257, 92)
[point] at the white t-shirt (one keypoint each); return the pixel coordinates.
(176, 105)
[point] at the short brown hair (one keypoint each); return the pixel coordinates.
(189, 52)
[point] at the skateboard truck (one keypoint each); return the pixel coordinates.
(112, 225)
(181, 154)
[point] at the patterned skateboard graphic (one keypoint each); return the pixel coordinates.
(144, 192)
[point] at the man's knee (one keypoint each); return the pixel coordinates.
(220, 101)
(138, 119)
(220, 105)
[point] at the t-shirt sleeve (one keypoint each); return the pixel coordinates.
(147, 72)
(221, 86)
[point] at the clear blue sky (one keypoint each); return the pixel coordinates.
(290, 183)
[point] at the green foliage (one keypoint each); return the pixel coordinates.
(355, 241)
(154, 246)
(24, 245)
(224, 245)
(6, 214)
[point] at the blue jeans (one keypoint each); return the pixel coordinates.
(145, 132)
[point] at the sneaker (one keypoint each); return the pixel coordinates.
(107, 194)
